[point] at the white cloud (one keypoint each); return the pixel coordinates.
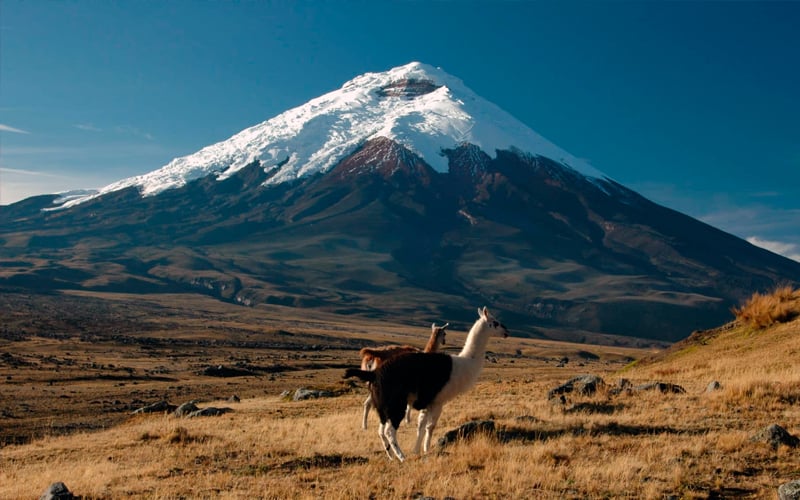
(30, 173)
(789, 250)
(87, 127)
(133, 131)
(18, 184)
(8, 128)
(743, 215)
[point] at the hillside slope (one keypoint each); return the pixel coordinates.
(754, 357)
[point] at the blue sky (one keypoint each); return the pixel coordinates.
(695, 105)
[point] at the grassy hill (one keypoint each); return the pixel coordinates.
(624, 441)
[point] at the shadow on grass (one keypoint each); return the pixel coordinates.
(317, 461)
(601, 408)
(509, 434)
(322, 461)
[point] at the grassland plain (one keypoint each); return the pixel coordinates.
(73, 368)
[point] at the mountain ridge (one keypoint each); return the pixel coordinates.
(384, 233)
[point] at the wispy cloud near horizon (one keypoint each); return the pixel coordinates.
(88, 127)
(9, 128)
(767, 219)
(30, 173)
(788, 250)
(133, 131)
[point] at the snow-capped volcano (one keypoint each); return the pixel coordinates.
(419, 106)
(402, 194)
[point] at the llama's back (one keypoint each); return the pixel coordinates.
(464, 376)
(373, 357)
(421, 375)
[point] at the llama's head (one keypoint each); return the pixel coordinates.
(368, 362)
(498, 328)
(438, 333)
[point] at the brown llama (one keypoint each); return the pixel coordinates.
(373, 357)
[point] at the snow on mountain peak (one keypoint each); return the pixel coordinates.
(417, 105)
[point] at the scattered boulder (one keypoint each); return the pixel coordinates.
(159, 407)
(57, 491)
(789, 491)
(466, 431)
(775, 436)
(584, 385)
(234, 399)
(303, 393)
(209, 411)
(185, 409)
(663, 387)
(713, 386)
(623, 384)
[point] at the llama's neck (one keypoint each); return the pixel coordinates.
(433, 345)
(477, 338)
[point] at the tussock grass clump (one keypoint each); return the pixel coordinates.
(764, 394)
(766, 309)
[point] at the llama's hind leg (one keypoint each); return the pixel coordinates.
(421, 420)
(434, 413)
(384, 439)
(367, 407)
(390, 432)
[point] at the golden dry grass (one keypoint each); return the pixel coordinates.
(634, 444)
(766, 309)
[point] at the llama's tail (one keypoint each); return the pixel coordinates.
(364, 375)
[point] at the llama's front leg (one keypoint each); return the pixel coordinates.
(367, 406)
(384, 439)
(433, 418)
(421, 419)
(391, 434)
(408, 414)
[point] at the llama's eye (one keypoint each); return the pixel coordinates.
(495, 324)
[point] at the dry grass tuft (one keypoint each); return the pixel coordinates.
(762, 310)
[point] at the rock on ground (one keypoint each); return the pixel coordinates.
(789, 491)
(57, 491)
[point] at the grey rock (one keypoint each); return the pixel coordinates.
(57, 491)
(789, 491)
(466, 431)
(209, 412)
(663, 387)
(582, 384)
(775, 435)
(303, 393)
(159, 407)
(185, 409)
(713, 386)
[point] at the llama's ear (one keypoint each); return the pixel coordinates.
(485, 313)
(433, 327)
(480, 312)
(444, 326)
